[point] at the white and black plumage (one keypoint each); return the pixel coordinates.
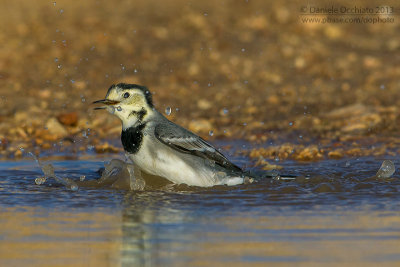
(160, 147)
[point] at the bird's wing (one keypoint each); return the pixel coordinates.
(185, 141)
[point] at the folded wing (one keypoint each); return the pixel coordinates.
(185, 141)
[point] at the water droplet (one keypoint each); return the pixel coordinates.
(211, 133)
(291, 123)
(205, 14)
(168, 110)
(22, 149)
(135, 70)
(245, 124)
(61, 11)
(54, 3)
(82, 178)
(387, 169)
(243, 50)
(177, 109)
(59, 66)
(119, 108)
(276, 159)
(382, 87)
(347, 164)
(209, 84)
(74, 187)
(225, 111)
(72, 81)
(56, 59)
(40, 180)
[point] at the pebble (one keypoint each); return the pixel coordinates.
(55, 128)
(204, 104)
(200, 126)
(336, 154)
(21, 116)
(68, 119)
(106, 148)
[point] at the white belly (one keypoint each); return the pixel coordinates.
(169, 164)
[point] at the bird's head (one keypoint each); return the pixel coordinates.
(131, 103)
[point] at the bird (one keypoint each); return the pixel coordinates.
(159, 147)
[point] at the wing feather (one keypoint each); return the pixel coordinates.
(185, 141)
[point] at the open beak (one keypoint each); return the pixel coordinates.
(106, 102)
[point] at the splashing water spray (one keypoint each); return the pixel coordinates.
(48, 171)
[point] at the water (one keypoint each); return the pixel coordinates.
(168, 111)
(336, 211)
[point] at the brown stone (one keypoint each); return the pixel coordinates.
(68, 119)
(335, 154)
(106, 148)
(55, 128)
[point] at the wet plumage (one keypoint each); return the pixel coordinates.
(160, 147)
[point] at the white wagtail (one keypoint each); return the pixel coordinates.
(160, 147)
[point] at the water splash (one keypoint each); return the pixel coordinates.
(48, 171)
(116, 174)
(386, 170)
(168, 111)
(120, 175)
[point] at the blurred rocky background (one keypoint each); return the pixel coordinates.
(249, 70)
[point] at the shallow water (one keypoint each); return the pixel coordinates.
(335, 211)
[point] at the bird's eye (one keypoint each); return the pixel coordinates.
(126, 95)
